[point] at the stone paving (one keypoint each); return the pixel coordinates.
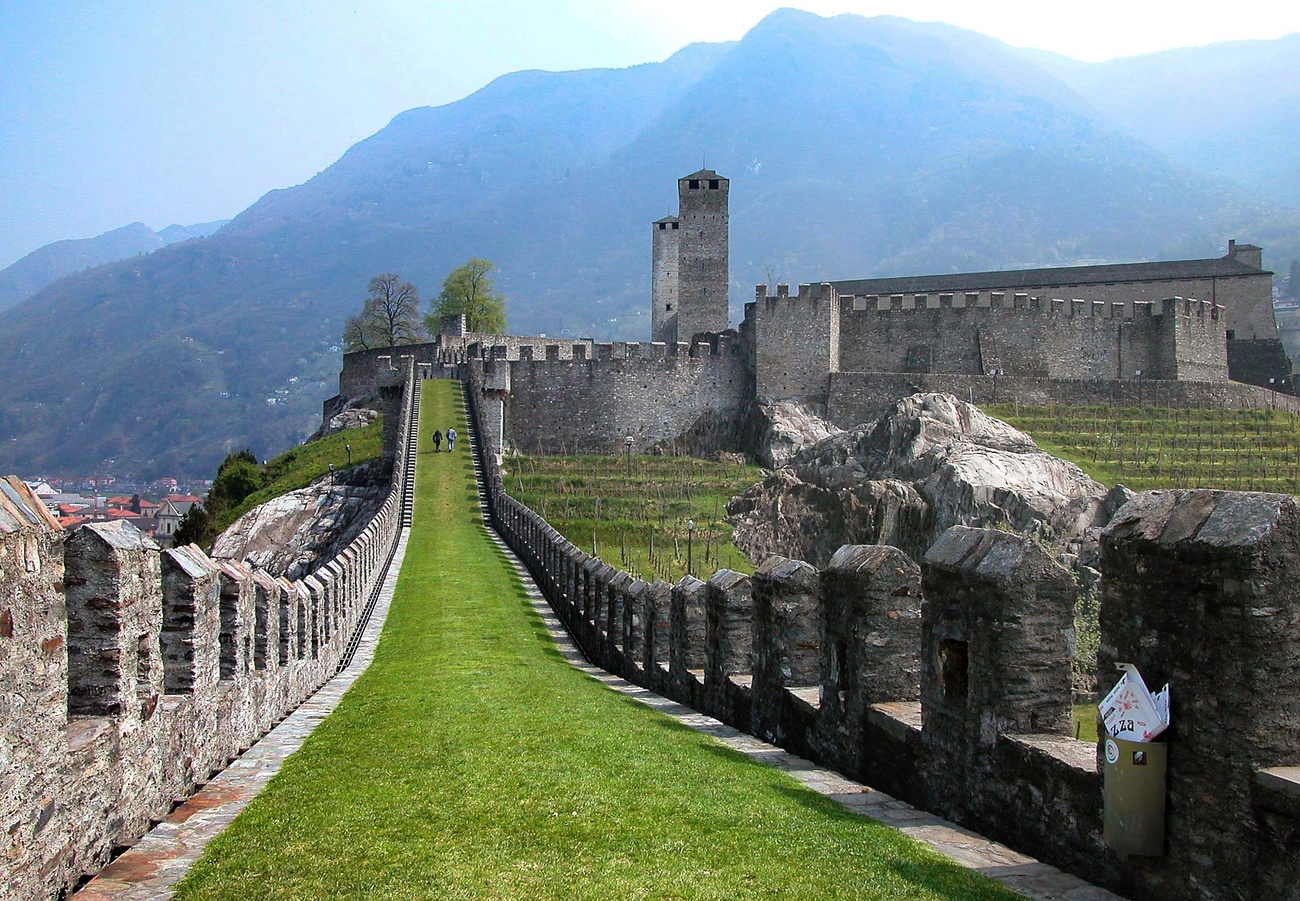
(151, 868)
(1016, 871)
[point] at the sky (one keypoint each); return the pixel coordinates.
(168, 112)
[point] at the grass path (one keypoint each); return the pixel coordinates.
(471, 761)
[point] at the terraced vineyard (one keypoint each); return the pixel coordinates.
(634, 512)
(1151, 447)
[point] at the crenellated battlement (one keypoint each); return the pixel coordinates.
(802, 339)
(946, 681)
(1073, 308)
(138, 672)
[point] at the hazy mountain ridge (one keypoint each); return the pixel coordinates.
(855, 147)
(1230, 110)
(53, 261)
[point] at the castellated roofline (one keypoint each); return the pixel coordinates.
(720, 345)
(1189, 308)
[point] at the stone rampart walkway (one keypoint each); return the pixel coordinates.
(150, 869)
(1016, 871)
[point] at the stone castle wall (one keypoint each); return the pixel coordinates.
(948, 683)
(132, 674)
(977, 333)
(797, 342)
(1247, 299)
(546, 403)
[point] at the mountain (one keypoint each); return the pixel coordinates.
(855, 147)
(1229, 110)
(53, 261)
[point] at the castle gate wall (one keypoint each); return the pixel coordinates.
(636, 390)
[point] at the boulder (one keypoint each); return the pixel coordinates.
(929, 463)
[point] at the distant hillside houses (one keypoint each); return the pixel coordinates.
(158, 520)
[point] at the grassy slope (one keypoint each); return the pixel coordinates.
(299, 466)
(471, 761)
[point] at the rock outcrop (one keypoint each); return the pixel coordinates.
(295, 533)
(780, 430)
(930, 463)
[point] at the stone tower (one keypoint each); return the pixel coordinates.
(690, 264)
(664, 258)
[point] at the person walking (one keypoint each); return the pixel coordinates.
(437, 441)
(451, 440)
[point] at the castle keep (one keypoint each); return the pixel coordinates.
(689, 261)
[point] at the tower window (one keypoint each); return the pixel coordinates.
(662, 226)
(694, 184)
(713, 184)
(674, 226)
(670, 308)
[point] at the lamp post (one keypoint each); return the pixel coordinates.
(627, 443)
(690, 541)
(348, 447)
(331, 475)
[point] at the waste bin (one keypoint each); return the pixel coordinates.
(1133, 773)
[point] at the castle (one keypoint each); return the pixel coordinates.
(133, 673)
(1183, 333)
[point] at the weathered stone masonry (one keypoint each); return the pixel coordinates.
(129, 674)
(947, 683)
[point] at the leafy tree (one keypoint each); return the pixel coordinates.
(469, 290)
(390, 316)
(238, 476)
(135, 503)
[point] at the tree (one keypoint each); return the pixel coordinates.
(469, 290)
(390, 316)
(196, 527)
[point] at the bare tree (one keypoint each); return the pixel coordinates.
(389, 317)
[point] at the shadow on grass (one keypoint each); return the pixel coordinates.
(945, 879)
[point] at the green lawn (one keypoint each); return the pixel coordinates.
(471, 761)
